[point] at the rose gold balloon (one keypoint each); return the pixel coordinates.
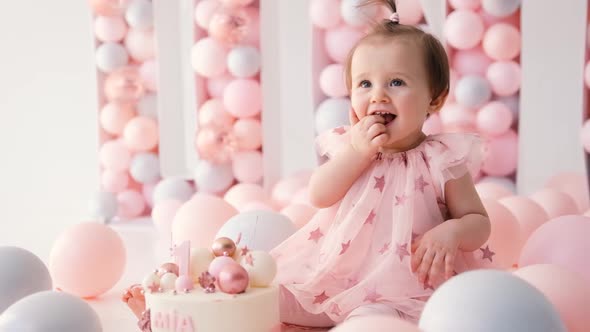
(233, 279)
(168, 268)
(124, 85)
(223, 246)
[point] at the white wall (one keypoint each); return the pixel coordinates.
(48, 158)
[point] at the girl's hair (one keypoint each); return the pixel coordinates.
(435, 56)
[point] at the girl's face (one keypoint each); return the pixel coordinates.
(389, 78)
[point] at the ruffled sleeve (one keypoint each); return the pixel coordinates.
(455, 154)
(331, 141)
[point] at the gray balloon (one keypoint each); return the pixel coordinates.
(21, 274)
(473, 91)
(145, 168)
(500, 8)
(332, 113)
(173, 188)
(50, 311)
(103, 206)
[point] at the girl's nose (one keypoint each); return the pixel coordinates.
(379, 96)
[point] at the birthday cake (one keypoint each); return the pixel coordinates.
(212, 290)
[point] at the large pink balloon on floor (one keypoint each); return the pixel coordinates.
(573, 184)
(529, 214)
(568, 291)
(87, 259)
(199, 219)
(562, 241)
(376, 323)
(555, 203)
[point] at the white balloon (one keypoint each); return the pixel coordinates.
(473, 91)
(213, 178)
(103, 205)
(168, 281)
(332, 113)
(261, 267)
(243, 61)
(50, 311)
(110, 56)
(500, 8)
(145, 168)
(489, 301)
(257, 230)
(140, 14)
(173, 188)
(148, 106)
(356, 15)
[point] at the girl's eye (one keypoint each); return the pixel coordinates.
(396, 82)
(365, 84)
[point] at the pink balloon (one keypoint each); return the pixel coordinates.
(248, 134)
(561, 241)
(114, 155)
(301, 197)
(332, 81)
(490, 20)
(209, 57)
(148, 72)
(529, 214)
(585, 136)
(376, 323)
(587, 75)
(285, 189)
(163, 213)
(110, 28)
(471, 62)
(299, 214)
(555, 203)
(218, 263)
(204, 10)
(229, 25)
(325, 14)
(463, 29)
(216, 85)
(114, 117)
(213, 144)
(502, 154)
(502, 42)
(114, 181)
(141, 44)
(248, 166)
(109, 7)
(213, 114)
(141, 134)
(87, 259)
(124, 85)
(243, 193)
(236, 3)
(233, 279)
(504, 77)
(199, 219)
(432, 125)
(340, 40)
(494, 119)
(567, 291)
(457, 114)
(243, 98)
(492, 190)
(148, 193)
(501, 249)
(253, 27)
(131, 204)
(410, 11)
(257, 206)
(465, 4)
(573, 184)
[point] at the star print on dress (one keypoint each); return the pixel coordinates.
(370, 218)
(379, 183)
(335, 309)
(401, 251)
(372, 295)
(344, 247)
(315, 235)
(420, 183)
(320, 298)
(339, 130)
(385, 248)
(400, 200)
(487, 253)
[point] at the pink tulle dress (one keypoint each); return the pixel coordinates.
(358, 252)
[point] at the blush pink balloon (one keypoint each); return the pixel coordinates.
(494, 119)
(247, 166)
(492, 190)
(218, 263)
(114, 155)
(204, 10)
(109, 7)
(243, 98)
(110, 28)
(376, 323)
(587, 75)
(325, 14)
(299, 214)
(301, 197)
(148, 72)
(213, 145)
(199, 219)
(463, 29)
(465, 4)
(489, 19)
(216, 85)
(502, 42)
(529, 214)
(340, 40)
(257, 206)
(148, 193)
(114, 117)
(131, 204)
(574, 184)
(124, 85)
(561, 241)
(248, 134)
(141, 134)
(568, 292)
(502, 154)
(243, 193)
(504, 77)
(209, 57)
(163, 213)
(285, 189)
(410, 11)
(585, 136)
(457, 114)
(213, 114)
(555, 202)
(332, 81)
(140, 44)
(87, 259)
(114, 181)
(229, 25)
(233, 279)
(471, 62)
(432, 125)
